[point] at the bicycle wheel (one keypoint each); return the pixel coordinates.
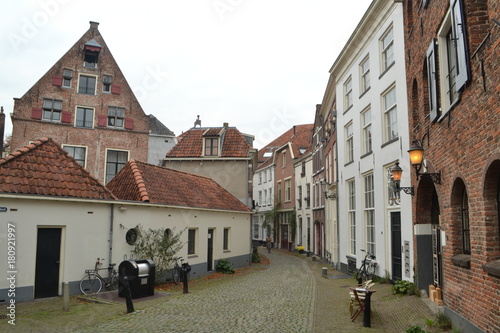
(90, 284)
(114, 282)
(176, 275)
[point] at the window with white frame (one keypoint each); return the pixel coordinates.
(84, 117)
(270, 197)
(265, 198)
(452, 72)
(265, 176)
(226, 239)
(348, 93)
(284, 158)
(106, 83)
(349, 143)
(115, 161)
(212, 149)
(366, 122)
(288, 190)
(79, 153)
(308, 195)
(364, 70)
(260, 199)
(369, 212)
(351, 215)
(299, 201)
(86, 84)
(387, 49)
(390, 114)
(260, 177)
(192, 239)
(256, 227)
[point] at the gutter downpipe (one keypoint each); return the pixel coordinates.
(110, 240)
(337, 250)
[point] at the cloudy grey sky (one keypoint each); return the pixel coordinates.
(261, 66)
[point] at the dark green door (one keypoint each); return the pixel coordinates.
(47, 262)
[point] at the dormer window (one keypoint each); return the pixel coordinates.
(211, 146)
(91, 53)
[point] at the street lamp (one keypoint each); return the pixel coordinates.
(396, 175)
(416, 152)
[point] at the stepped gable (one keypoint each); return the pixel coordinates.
(44, 168)
(139, 181)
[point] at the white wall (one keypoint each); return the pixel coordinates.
(86, 230)
(383, 14)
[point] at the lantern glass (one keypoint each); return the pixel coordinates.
(416, 154)
(397, 172)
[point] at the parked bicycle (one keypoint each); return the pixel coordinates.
(367, 269)
(93, 282)
(177, 270)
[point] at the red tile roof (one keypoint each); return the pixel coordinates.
(299, 136)
(190, 143)
(139, 181)
(44, 168)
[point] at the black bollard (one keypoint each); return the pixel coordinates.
(367, 317)
(128, 295)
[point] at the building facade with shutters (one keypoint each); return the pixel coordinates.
(452, 65)
(85, 104)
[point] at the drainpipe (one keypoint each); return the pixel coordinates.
(337, 250)
(110, 240)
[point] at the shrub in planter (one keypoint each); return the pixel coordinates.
(224, 266)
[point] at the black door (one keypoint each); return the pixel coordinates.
(47, 262)
(210, 250)
(396, 252)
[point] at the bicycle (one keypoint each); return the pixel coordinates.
(367, 269)
(177, 270)
(92, 282)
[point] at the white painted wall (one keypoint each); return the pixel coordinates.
(366, 40)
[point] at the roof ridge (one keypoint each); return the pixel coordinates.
(139, 181)
(170, 169)
(24, 150)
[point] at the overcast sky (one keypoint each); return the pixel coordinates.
(262, 66)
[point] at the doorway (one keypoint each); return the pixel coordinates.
(48, 252)
(210, 250)
(396, 253)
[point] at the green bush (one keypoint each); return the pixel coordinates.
(255, 258)
(403, 288)
(224, 266)
(416, 329)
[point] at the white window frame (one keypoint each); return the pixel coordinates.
(387, 49)
(369, 211)
(351, 215)
(348, 98)
(65, 146)
(195, 241)
(86, 108)
(106, 162)
(288, 189)
(390, 110)
(87, 75)
(364, 71)
(366, 122)
(349, 143)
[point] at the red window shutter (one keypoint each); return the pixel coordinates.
(57, 80)
(66, 117)
(36, 113)
(102, 120)
(129, 123)
(116, 89)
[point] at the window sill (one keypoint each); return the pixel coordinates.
(493, 268)
(364, 92)
(347, 110)
(367, 154)
(190, 256)
(389, 142)
(461, 260)
(226, 251)
(386, 70)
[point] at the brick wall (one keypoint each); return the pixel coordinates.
(465, 147)
(133, 137)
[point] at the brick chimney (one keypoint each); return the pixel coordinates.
(94, 25)
(225, 125)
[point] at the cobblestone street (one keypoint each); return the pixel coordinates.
(278, 299)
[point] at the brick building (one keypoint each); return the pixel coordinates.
(452, 62)
(85, 104)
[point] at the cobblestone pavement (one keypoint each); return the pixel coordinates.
(278, 299)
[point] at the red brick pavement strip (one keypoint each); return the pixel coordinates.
(391, 313)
